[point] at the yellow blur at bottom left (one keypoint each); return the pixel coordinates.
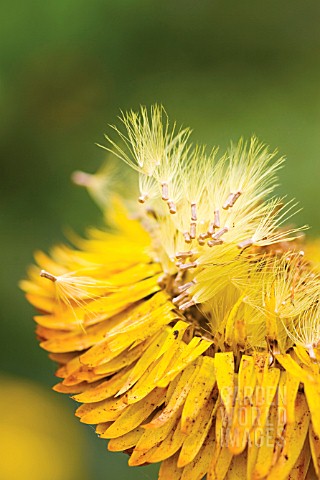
(38, 438)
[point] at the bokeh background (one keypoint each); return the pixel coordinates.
(226, 68)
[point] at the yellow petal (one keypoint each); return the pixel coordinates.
(178, 397)
(104, 389)
(124, 359)
(71, 366)
(150, 439)
(291, 366)
(41, 303)
(62, 358)
(169, 357)
(78, 388)
(238, 468)
(77, 341)
(222, 456)
(47, 263)
(314, 441)
(193, 350)
(199, 466)
(32, 288)
(293, 441)
(242, 417)
(144, 385)
(135, 274)
(305, 359)
(102, 352)
(126, 441)
(151, 375)
(169, 469)
(131, 228)
(158, 347)
(230, 332)
(220, 466)
(58, 322)
(156, 305)
(169, 446)
(82, 374)
(141, 458)
(300, 470)
(224, 371)
(252, 455)
(199, 394)
(292, 386)
(312, 393)
(264, 395)
(135, 414)
(266, 444)
(152, 324)
(281, 401)
(117, 302)
(105, 411)
(194, 441)
(101, 427)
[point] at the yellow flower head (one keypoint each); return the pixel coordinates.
(189, 330)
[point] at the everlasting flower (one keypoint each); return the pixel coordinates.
(189, 330)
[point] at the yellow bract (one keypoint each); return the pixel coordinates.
(188, 329)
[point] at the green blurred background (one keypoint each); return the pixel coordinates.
(226, 68)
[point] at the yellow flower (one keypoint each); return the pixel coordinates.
(190, 330)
